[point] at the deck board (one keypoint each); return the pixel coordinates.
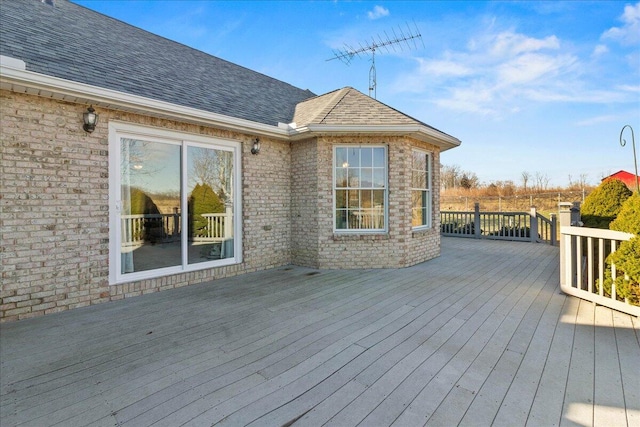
(479, 336)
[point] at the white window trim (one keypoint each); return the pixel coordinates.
(429, 154)
(386, 191)
(118, 130)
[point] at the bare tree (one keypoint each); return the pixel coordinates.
(449, 176)
(526, 176)
(582, 180)
(214, 168)
(542, 181)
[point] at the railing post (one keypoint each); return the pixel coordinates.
(533, 225)
(565, 220)
(554, 228)
(476, 221)
(569, 216)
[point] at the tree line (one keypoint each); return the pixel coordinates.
(452, 177)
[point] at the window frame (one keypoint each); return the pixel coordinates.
(335, 167)
(428, 191)
(119, 130)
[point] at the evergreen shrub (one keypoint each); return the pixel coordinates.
(627, 257)
(601, 207)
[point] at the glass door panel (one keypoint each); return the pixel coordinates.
(209, 204)
(150, 207)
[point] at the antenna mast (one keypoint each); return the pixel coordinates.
(348, 52)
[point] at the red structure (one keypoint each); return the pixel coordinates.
(627, 177)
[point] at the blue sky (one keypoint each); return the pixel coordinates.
(543, 87)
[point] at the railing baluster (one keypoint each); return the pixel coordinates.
(579, 262)
(613, 272)
(590, 264)
(601, 265)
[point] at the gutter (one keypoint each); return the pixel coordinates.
(418, 131)
(14, 77)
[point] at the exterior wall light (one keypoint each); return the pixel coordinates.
(90, 119)
(256, 146)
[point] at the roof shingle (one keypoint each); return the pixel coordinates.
(74, 43)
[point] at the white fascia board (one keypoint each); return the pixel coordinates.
(12, 78)
(423, 133)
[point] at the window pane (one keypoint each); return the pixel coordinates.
(209, 204)
(366, 198)
(379, 178)
(353, 199)
(355, 218)
(341, 219)
(419, 179)
(341, 158)
(366, 157)
(419, 161)
(354, 177)
(150, 212)
(379, 160)
(417, 201)
(378, 198)
(354, 157)
(341, 199)
(341, 177)
(417, 217)
(366, 178)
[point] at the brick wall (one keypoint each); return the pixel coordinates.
(54, 207)
(304, 195)
(400, 246)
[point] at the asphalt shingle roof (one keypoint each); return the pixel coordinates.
(348, 106)
(74, 43)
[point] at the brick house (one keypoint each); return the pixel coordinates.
(167, 190)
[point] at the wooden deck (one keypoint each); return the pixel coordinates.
(480, 336)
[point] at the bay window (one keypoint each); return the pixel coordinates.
(360, 188)
(421, 189)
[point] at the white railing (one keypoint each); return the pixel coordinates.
(522, 226)
(138, 229)
(372, 218)
(583, 252)
(218, 228)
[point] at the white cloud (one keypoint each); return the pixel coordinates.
(378, 12)
(597, 120)
(496, 74)
(629, 88)
(509, 43)
(600, 50)
(629, 32)
(532, 67)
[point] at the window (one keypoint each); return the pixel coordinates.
(420, 189)
(175, 202)
(360, 188)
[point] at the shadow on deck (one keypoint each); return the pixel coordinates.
(480, 336)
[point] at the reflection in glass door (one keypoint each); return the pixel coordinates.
(209, 203)
(150, 205)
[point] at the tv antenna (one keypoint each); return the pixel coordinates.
(399, 39)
